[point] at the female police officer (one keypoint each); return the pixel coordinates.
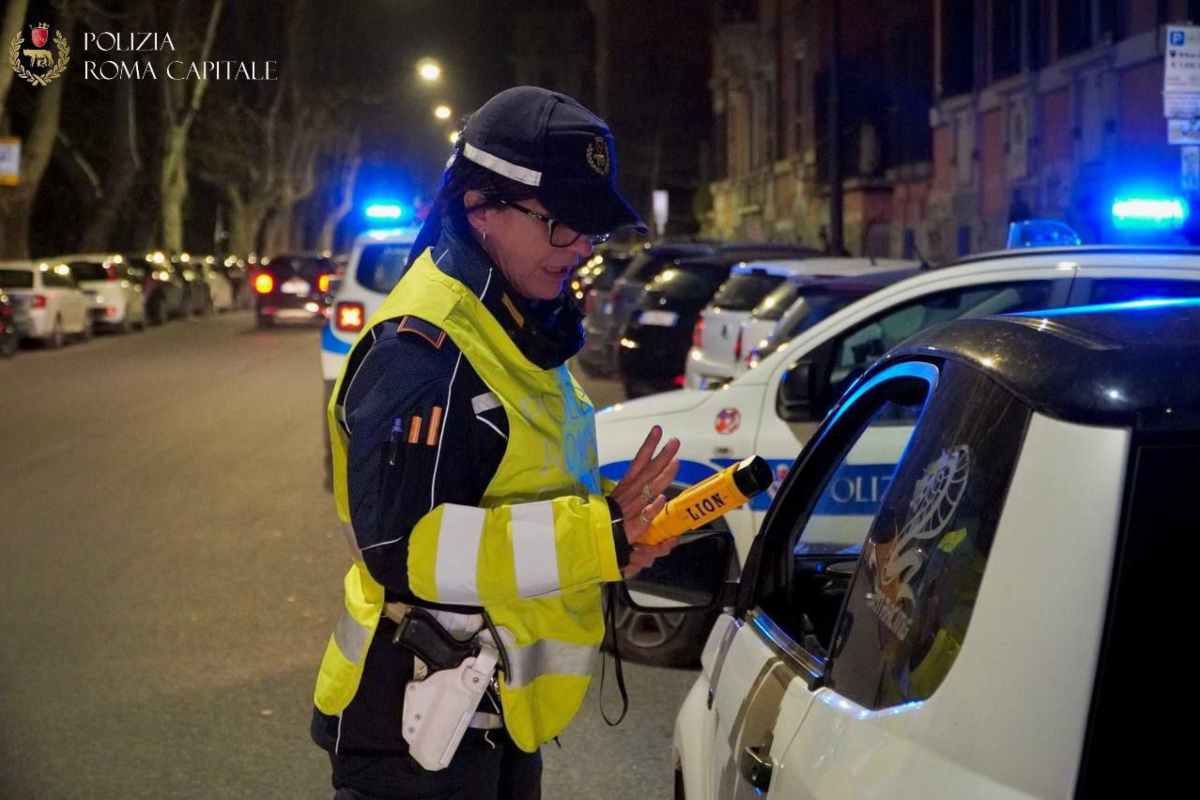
(465, 469)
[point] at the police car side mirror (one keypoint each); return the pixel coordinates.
(794, 402)
(692, 577)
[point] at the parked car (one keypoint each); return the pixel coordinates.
(116, 294)
(11, 331)
(196, 298)
(773, 410)
(162, 287)
(49, 295)
(292, 288)
(594, 279)
(600, 354)
(770, 327)
(220, 288)
(973, 632)
(718, 341)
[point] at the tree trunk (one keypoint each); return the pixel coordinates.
(16, 203)
(173, 187)
(349, 176)
(14, 17)
(122, 174)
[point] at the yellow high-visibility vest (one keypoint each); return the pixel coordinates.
(533, 554)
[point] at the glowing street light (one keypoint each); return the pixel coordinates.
(429, 70)
(442, 111)
(453, 137)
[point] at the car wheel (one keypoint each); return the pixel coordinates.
(662, 639)
(125, 325)
(9, 344)
(55, 340)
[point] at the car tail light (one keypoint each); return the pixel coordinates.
(589, 301)
(264, 283)
(678, 380)
(698, 333)
(737, 347)
(112, 311)
(323, 282)
(38, 301)
(349, 317)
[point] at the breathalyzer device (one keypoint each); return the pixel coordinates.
(710, 498)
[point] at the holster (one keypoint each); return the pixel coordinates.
(438, 709)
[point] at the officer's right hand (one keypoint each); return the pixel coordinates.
(640, 492)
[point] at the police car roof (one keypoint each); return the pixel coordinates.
(1066, 252)
(1125, 365)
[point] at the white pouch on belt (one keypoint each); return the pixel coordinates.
(438, 709)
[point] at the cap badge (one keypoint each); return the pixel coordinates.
(597, 155)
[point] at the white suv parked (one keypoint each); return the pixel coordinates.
(114, 293)
(51, 298)
(773, 410)
(994, 626)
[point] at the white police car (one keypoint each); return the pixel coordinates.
(1008, 621)
(376, 264)
(774, 409)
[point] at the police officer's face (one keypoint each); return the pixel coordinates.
(520, 246)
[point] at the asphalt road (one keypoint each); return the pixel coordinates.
(172, 572)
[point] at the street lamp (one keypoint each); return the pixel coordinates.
(429, 70)
(453, 137)
(442, 111)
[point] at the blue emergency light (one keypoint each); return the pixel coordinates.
(1150, 213)
(384, 211)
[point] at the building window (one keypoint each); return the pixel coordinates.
(1006, 39)
(958, 47)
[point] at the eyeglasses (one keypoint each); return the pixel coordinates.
(560, 234)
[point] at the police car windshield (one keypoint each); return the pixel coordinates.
(16, 279)
(381, 265)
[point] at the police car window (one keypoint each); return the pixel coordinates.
(861, 347)
(822, 548)
(16, 279)
(381, 266)
(915, 584)
(1121, 290)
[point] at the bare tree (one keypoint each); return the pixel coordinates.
(16, 202)
(180, 103)
(14, 17)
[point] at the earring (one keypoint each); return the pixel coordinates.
(485, 236)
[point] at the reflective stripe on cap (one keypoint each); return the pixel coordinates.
(496, 164)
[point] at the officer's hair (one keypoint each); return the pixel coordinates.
(461, 176)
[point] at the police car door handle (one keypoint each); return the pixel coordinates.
(757, 766)
(722, 451)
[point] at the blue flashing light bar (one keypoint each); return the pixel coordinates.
(1156, 213)
(384, 211)
(1128, 305)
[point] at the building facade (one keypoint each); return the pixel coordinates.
(1047, 108)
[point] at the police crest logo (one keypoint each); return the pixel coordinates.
(37, 64)
(597, 155)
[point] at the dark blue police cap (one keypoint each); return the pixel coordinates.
(551, 142)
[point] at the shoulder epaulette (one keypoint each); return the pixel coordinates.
(426, 330)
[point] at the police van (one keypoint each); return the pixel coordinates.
(376, 264)
(774, 409)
